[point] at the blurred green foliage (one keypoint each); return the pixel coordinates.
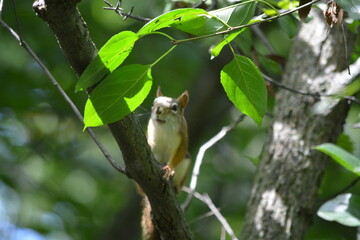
(54, 181)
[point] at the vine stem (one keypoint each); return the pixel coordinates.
(244, 26)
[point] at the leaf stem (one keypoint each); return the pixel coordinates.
(162, 56)
(160, 33)
(243, 26)
(231, 48)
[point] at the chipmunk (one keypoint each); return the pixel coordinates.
(167, 136)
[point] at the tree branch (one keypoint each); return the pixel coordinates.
(205, 198)
(200, 156)
(64, 19)
(339, 96)
(119, 11)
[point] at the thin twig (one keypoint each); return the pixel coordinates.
(315, 95)
(219, 216)
(200, 156)
(280, 85)
(223, 233)
(119, 11)
(207, 200)
(61, 91)
(199, 218)
(244, 26)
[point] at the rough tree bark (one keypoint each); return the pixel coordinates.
(71, 31)
(286, 185)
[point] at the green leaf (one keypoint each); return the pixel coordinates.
(110, 56)
(350, 6)
(245, 12)
(245, 87)
(341, 156)
(200, 22)
(217, 20)
(352, 88)
(201, 25)
(344, 142)
(180, 16)
(254, 160)
(343, 209)
(236, 15)
(118, 95)
(215, 51)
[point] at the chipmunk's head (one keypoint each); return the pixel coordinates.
(166, 109)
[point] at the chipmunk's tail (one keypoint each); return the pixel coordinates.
(149, 231)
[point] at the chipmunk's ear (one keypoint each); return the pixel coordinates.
(158, 92)
(183, 99)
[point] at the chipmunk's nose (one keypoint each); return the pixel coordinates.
(159, 110)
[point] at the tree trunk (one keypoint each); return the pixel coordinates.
(286, 184)
(71, 31)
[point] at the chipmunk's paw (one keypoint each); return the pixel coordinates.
(168, 172)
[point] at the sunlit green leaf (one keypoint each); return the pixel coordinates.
(288, 4)
(215, 51)
(218, 20)
(202, 25)
(352, 88)
(270, 12)
(247, 12)
(110, 56)
(344, 209)
(200, 22)
(341, 156)
(245, 87)
(181, 15)
(118, 95)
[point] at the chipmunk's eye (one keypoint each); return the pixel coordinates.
(174, 107)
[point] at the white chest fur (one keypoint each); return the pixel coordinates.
(167, 134)
(164, 139)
